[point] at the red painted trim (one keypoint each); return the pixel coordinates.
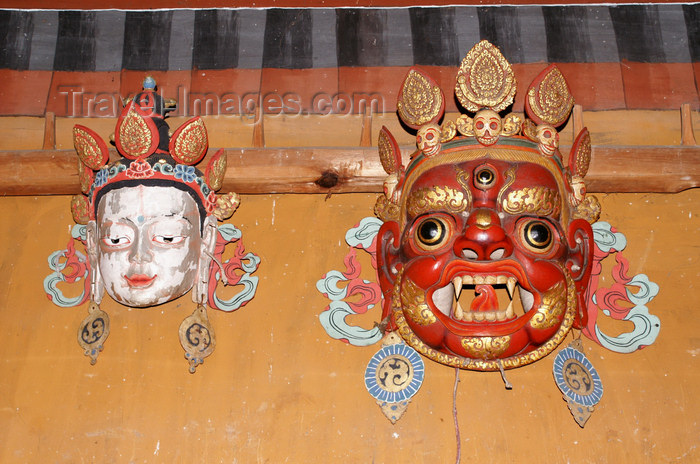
(651, 87)
(24, 93)
(596, 86)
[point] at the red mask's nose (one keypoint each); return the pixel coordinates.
(484, 238)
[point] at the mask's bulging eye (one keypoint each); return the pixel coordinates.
(431, 233)
(484, 178)
(537, 236)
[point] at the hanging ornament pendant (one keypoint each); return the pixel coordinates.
(93, 331)
(578, 381)
(394, 375)
(197, 337)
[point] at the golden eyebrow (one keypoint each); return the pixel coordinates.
(437, 198)
(538, 200)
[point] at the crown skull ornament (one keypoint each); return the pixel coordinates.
(484, 249)
(148, 223)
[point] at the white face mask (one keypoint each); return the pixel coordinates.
(148, 244)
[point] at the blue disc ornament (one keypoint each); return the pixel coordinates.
(393, 375)
(578, 381)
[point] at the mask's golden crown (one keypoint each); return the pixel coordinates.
(486, 86)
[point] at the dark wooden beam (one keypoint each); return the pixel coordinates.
(355, 169)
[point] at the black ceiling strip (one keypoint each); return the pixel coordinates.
(215, 39)
(16, 28)
(501, 27)
(638, 33)
(361, 37)
(434, 36)
(75, 45)
(147, 40)
(568, 38)
(691, 14)
(288, 39)
(365, 37)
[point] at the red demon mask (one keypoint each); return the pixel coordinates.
(485, 253)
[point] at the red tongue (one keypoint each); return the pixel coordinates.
(486, 299)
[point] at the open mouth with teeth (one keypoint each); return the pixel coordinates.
(490, 312)
(474, 297)
(483, 298)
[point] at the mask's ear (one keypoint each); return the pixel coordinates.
(209, 235)
(580, 264)
(97, 290)
(388, 241)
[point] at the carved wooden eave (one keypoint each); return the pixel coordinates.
(260, 170)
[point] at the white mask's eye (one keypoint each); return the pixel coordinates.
(116, 242)
(168, 239)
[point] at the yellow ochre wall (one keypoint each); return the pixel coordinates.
(278, 389)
